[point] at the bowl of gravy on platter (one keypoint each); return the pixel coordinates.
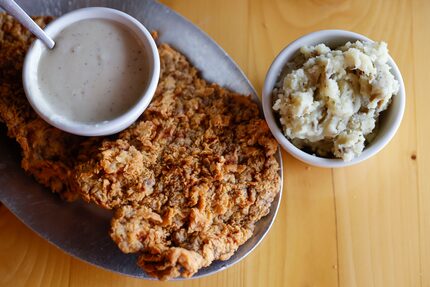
(100, 76)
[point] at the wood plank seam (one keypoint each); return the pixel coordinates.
(416, 148)
(336, 228)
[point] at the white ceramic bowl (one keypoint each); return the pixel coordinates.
(117, 124)
(389, 121)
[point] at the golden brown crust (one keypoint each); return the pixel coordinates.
(190, 179)
(48, 153)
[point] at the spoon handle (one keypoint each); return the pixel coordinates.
(16, 11)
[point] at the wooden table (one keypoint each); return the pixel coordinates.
(367, 225)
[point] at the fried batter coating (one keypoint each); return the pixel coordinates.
(48, 153)
(190, 179)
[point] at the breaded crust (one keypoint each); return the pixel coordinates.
(47, 153)
(188, 181)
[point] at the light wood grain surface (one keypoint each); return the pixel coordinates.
(367, 225)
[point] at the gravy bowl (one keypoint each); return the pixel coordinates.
(101, 126)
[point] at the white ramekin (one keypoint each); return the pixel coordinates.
(32, 59)
(389, 122)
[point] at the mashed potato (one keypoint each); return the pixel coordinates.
(329, 101)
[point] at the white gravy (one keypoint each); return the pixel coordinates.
(96, 72)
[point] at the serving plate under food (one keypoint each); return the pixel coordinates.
(81, 229)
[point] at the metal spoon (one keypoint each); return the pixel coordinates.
(16, 11)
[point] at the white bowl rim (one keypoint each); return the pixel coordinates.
(106, 127)
(272, 77)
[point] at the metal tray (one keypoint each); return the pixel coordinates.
(81, 229)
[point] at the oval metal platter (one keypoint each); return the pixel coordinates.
(81, 229)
